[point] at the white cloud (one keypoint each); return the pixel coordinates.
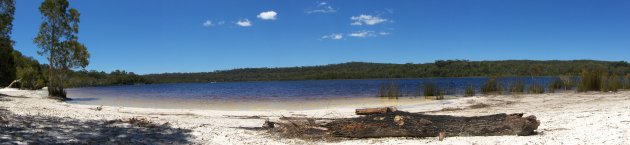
(221, 22)
(327, 9)
(384, 33)
(362, 34)
(268, 15)
(334, 36)
(322, 7)
(208, 23)
(244, 23)
(366, 20)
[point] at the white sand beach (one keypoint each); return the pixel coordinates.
(566, 118)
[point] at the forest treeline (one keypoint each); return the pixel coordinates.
(362, 70)
(33, 75)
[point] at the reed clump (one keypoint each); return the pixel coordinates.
(626, 80)
(491, 86)
(611, 83)
(470, 91)
(390, 90)
(590, 81)
(594, 80)
(536, 88)
(517, 87)
(430, 89)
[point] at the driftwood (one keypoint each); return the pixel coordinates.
(13, 83)
(404, 124)
(372, 111)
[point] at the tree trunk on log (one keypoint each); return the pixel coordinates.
(372, 111)
(404, 124)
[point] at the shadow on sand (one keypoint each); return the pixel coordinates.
(38, 129)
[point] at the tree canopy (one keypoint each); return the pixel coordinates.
(7, 64)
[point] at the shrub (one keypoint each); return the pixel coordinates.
(470, 91)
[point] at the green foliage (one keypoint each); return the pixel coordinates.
(85, 78)
(29, 72)
(360, 70)
(470, 91)
(491, 86)
(7, 63)
(57, 38)
(390, 90)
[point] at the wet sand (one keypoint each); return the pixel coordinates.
(257, 104)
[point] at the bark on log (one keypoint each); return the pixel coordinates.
(372, 111)
(421, 125)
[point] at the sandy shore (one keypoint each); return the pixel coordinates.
(566, 118)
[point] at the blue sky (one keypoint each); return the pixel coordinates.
(155, 36)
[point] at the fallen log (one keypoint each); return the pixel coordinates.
(372, 111)
(404, 124)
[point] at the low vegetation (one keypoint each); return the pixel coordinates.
(491, 86)
(390, 90)
(536, 88)
(516, 87)
(470, 91)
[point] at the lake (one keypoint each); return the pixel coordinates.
(267, 94)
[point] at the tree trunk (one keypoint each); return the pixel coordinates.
(371, 111)
(403, 124)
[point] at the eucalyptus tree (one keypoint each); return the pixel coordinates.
(58, 40)
(7, 63)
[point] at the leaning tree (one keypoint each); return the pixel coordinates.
(58, 41)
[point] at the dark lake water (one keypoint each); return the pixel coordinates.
(281, 90)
